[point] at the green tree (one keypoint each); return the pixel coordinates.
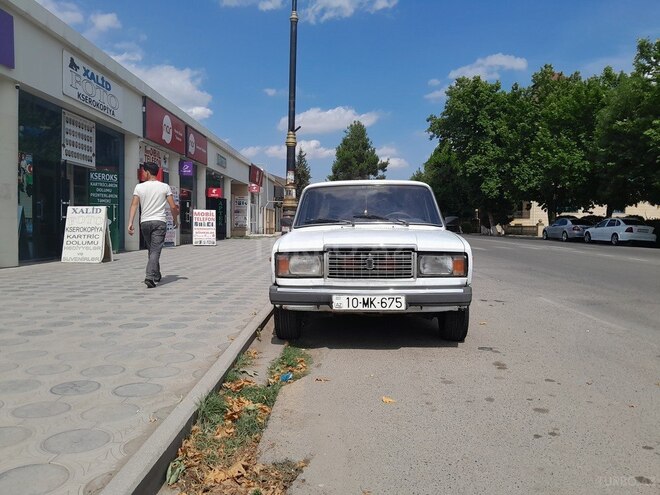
(302, 172)
(627, 134)
(356, 158)
(474, 127)
(559, 167)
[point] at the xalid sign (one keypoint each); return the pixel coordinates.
(91, 87)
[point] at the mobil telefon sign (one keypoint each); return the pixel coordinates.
(91, 87)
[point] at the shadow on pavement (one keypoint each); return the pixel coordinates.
(168, 279)
(365, 332)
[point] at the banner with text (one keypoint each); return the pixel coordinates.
(86, 235)
(204, 228)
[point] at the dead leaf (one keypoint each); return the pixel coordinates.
(482, 323)
(238, 385)
(590, 382)
(387, 400)
(321, 379)
(252, 353)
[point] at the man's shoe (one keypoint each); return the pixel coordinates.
(157, 279)
(149, 283)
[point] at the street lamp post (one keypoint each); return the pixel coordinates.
(290, 202)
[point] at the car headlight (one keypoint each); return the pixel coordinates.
(298, 265)
(442, 265)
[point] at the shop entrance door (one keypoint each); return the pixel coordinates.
(50, 199)
(185, 198)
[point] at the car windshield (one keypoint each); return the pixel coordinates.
(397, 203)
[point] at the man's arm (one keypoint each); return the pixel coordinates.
(131, 215)
(175, 210)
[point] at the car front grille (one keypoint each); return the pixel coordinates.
(370, 263)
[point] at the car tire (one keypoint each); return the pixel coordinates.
(288, 324)
(587, 237)
(615, 239)
(545, 235)
(564, 236)
(453, 325)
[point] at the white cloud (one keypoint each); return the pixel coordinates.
(251, 151)
(66, 11)
(488, 67)
(102, 23)
(435, 82)
(317, 121)
(437, 95)
(389, 153)
(312, 149)
(319, 10)
(264, 5)
(270, 91)
(180, 86)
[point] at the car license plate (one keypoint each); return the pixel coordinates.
(368, 303)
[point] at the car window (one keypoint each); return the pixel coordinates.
(632, 221)
(611, 223)
(601, 224)
(362, 203)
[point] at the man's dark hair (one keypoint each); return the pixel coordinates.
(151, 167)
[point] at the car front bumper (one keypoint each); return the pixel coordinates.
(426, 299)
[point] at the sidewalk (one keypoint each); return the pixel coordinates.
(98, 373)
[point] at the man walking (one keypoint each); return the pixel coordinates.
(152, 196)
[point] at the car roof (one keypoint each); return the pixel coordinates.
(377, 182)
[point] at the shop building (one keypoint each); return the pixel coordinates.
(74, 128)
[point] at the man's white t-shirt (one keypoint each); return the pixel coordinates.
(153, 200)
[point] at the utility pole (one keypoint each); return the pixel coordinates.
(290, 202)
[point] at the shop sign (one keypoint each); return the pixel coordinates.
(240, 211)
(254, 188)
(163, 128)
(256, 175)
(78, 140)
(104, 191)
(186, 168)
(196, 146)
(204, 228)
(86, 235)
(91, 87)
(214, 192)
(170, 233)
(6, 40)
(154, 155)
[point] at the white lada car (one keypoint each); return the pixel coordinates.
(371, 246)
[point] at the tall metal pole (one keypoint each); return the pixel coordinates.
(290, 202)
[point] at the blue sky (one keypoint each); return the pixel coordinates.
(383, 62)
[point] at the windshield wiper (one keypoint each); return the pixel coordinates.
(378, 217)
(314, 221)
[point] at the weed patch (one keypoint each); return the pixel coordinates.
(220, 454)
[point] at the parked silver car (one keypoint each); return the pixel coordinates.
(567, 228)
(620, 230)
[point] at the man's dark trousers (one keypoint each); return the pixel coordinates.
(153, 233)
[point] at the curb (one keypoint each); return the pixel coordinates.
(145, 470)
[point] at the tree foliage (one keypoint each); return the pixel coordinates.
(303, 174)
(564, 141)
(356, 158)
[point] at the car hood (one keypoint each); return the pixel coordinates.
(422, 239)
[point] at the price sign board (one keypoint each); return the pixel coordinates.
(204, 228)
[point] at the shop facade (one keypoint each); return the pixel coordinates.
(75, 127)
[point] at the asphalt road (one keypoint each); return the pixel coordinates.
(555, 390)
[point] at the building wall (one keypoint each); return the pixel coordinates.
(39, 40)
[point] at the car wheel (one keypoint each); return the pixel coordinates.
(453, 325)
(287, 324)
(615, 239)
(545, 235)
(564, 236)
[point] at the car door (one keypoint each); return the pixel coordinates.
(597, 234)
(554, 231)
